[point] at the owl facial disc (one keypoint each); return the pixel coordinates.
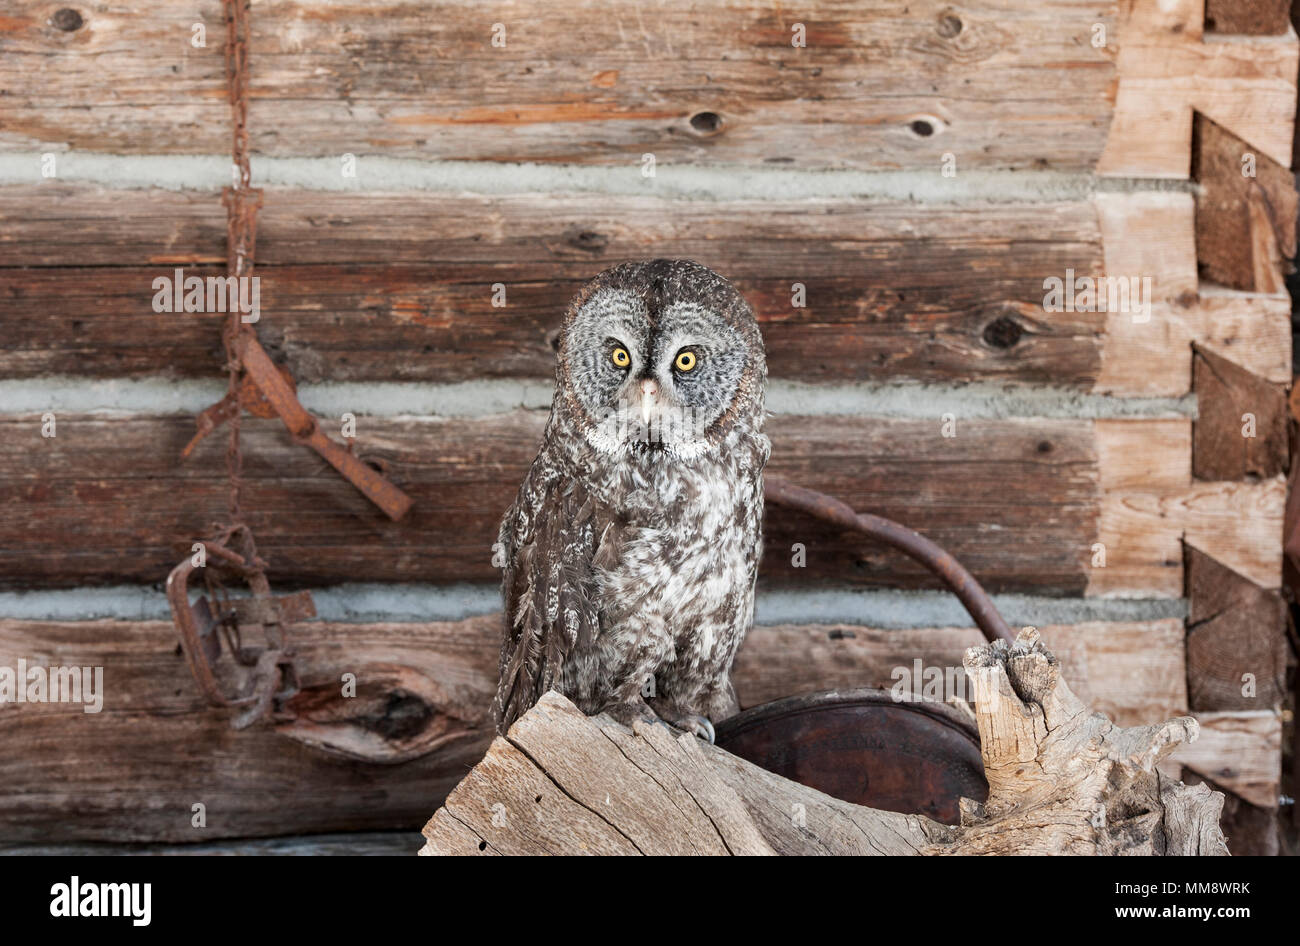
(660, 358)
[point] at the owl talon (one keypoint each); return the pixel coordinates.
(701, 727)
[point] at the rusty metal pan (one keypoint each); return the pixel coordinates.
(864, 747)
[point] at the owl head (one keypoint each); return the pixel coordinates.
(663, 358)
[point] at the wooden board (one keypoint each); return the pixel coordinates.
(399, 287)
(133, 771)
(997, 84)
(109, 501)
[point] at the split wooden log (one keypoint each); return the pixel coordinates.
(1063, 780)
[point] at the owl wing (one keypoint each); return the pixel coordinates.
(554, 537)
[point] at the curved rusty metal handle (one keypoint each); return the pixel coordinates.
(911, 543)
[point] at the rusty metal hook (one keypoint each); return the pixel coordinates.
(911, 543)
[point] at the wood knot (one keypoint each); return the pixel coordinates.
(706, 123)
(1002, 332)
(67, 19)
(589, 241)
(949, 25)
(404, 716)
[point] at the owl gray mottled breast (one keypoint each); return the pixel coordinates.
(632, 547)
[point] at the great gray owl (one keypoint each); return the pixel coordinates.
(632, 548)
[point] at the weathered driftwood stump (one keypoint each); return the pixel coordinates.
(1062, 779)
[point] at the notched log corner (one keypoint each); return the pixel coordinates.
(1063, 780)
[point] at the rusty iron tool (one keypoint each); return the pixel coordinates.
(306, 430)
(272, 390)
(247, 396)
(912, 544)
(273, 680)
(268, 390)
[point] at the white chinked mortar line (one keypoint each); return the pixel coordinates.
(365, 603)
(376, 174)
(483, 398)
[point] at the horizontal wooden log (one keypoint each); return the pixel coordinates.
(133, 771)
(109, 500)
(357, 286)
(877, 87)
(893, 291)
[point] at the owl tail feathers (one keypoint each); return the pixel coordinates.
(520, 656)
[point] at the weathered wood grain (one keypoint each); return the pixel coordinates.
(1239, 751)
(1167, 67)
(108, 500)
(400, 287)
(1236, 640)
(1241, 425)
(1052, 766)
(1246, 206)
(1251, 17)
(133, 771)
(998, 84)
(1151, 235)
(1251, 831)
(1150, 504)
(642, 791)
(1134, 673)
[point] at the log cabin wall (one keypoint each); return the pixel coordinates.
(920, 170)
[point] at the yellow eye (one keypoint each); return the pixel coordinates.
(621, 357)
(685, 360)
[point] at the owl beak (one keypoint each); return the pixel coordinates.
(649, 391)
